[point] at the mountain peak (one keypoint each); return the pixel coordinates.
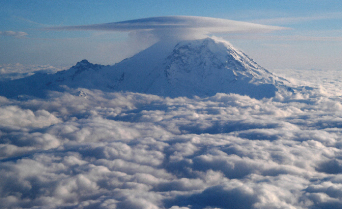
(214, 53)
(208, 66)
(83, 62)
(189, 68)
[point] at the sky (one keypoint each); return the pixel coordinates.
(312, 42)
(87, 148)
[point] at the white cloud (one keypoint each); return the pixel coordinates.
(16, 71)
(184, 27)
(117, 150)
(296, 20)
(16, 34)
(13, 117)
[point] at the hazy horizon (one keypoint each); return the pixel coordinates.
(313, 41)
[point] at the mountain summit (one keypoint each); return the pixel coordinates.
(197, 67)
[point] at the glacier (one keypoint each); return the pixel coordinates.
(172, 69)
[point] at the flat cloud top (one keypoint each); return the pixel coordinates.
(92, 149)
(202, 25)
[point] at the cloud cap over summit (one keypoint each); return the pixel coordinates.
(178, 26)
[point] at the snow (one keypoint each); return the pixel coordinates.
(188, 68)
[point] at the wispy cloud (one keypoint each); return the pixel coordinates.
(30, 21)
(300, 19)
(16, 34)
(285, 37)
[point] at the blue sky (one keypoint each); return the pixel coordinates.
(314, 40)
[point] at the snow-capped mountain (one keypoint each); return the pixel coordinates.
(197, 67)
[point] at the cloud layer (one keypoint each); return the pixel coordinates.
(184, 27)
(90, 149)
(16, 71)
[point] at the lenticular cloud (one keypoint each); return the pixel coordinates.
(180, 27)
(92, 149)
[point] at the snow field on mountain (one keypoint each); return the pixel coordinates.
(186, 68)
(91, 149)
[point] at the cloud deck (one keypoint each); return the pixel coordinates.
(90, 149)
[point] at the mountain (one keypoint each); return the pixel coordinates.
(188, 68)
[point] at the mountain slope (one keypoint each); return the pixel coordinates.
(198, 67)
